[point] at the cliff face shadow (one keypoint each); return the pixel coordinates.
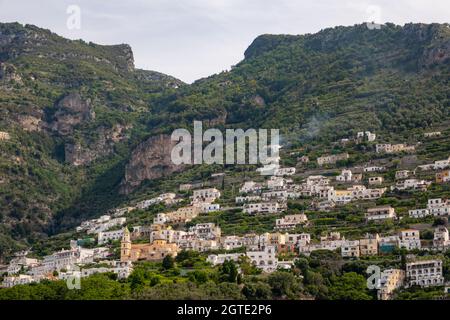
(100, 196)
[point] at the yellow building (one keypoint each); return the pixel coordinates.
(369, 245)
(155, 251)
(391, 280)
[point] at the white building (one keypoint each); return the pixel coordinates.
(442, 164)
(206, 195)
(290, 221)
(20, 279)
(402, 174)
(432, 134)
(21, 262)
(360, 192)
(265, 259)
(216, 259)
(411, 184)
(104, 237)
(275, 183)
(251, 187)
(439, 207)
(247, 199)
(424, 273)
(111, 223)
(374, 169)
(206, 207)
(380, 213)
(345, 176)
(206, 231)
(121, 268)
(409, 239)
(418, 213)
(317, 180)
(232, 242)
(298, 239)
(275, 195)
(263, 208)
(436, 207)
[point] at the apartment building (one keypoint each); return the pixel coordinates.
(290, 221)
(368, 246)
(105, 237)
(424, 273)
(350, 249)
(265, 259)
(247, 199)
(251, 187)
(391, 280)
(345, 176)
(409, 239)
(216, 259)
(206, 195)
(332, 159)
(441, 240)
(263, 208)
(402, 174)
(380, 213)
(206, 231)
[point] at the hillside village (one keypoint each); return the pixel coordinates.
(383, 207)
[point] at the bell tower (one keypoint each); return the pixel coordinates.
(125, 246)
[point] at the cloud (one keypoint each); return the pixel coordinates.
(191, 39)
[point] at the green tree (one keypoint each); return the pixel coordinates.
(349, 286)
(284, 285)
(168, 262)
(228, 271)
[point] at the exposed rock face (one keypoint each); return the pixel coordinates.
(76, 155)
(79, 155)
(72, 110)
(31, 123)
(437, 55)
(127, 56)
(150, 160)
(8, 73)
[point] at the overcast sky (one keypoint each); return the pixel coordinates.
(191, 39)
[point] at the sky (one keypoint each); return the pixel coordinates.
(191, 39)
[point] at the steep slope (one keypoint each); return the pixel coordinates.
(71, 110)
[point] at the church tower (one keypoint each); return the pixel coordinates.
(125, 245)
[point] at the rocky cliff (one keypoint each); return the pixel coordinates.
(150, 160)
